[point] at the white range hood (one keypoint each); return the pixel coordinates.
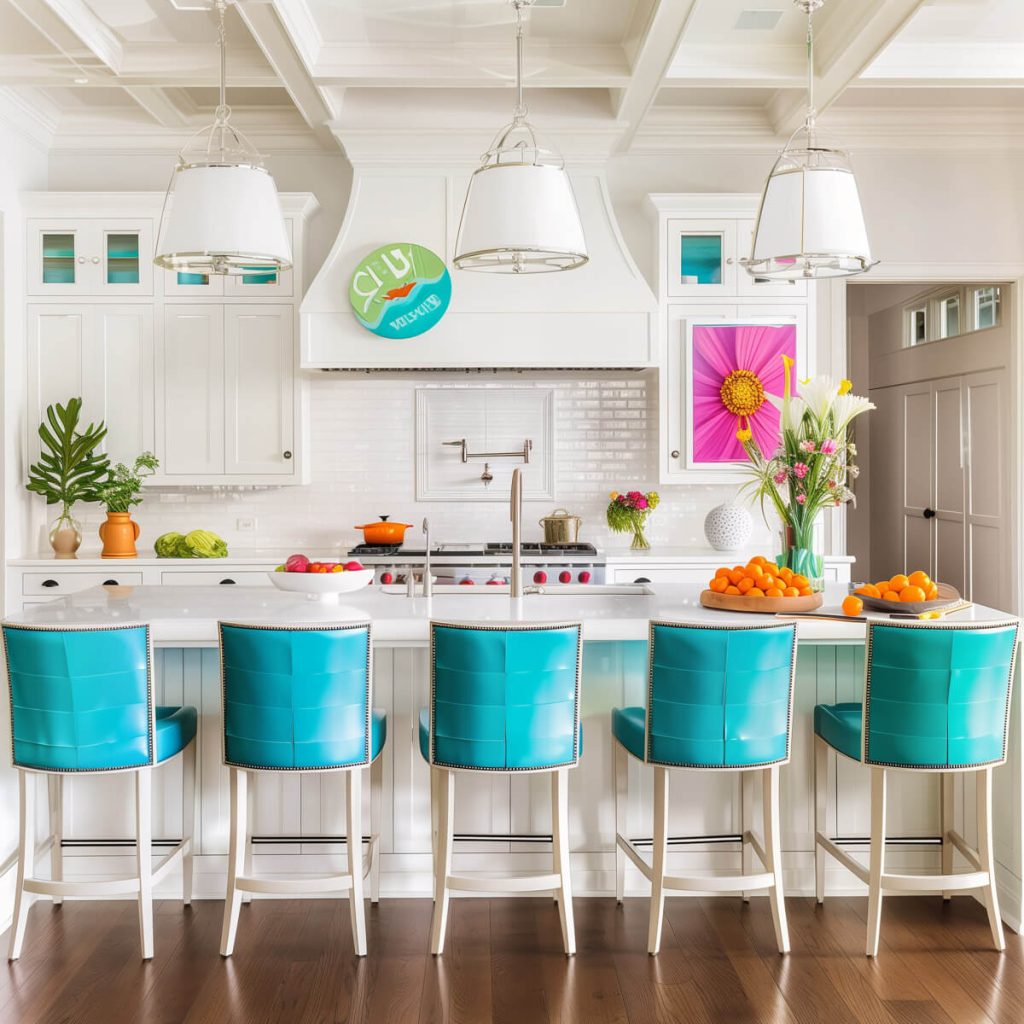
(600, 316)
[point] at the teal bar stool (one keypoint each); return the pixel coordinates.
(503, 698)
(719, 699)
(82, 703)
(300, 699)
(937, 699)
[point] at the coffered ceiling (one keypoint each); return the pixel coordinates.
(652, 76)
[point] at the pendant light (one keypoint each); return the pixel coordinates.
(810, 224)
(221, 213)
(520, 214)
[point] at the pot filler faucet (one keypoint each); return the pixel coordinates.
(428, 582)
(516, 515)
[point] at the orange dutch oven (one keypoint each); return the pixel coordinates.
(384, 532)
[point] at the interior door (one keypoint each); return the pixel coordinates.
(949, 562)
(917, 458)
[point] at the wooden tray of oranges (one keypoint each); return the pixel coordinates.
(912, 593)
(762, 588)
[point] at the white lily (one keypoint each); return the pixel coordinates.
(819, 393)
(792, 411)
(847, 407)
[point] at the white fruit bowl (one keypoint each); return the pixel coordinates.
(321, 586)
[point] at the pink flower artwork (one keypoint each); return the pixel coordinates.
(735, 368)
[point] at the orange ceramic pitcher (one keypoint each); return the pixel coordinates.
(119, 534)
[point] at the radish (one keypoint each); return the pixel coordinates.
(297, 563)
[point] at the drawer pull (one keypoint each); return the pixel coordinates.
(641, 579)
(111, 583)
(225, 582)
(49, 583)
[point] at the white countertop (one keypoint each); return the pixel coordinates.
(699, 555)
(187, 616)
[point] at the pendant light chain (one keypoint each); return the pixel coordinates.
(519, 114)
(223, 111)
(812, 114)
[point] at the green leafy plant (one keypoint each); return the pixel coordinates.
(121, 490)
(69, 469)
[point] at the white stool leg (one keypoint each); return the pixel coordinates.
(26, 859)
(560, 823)
(376, 816)
(354, 849)
(188, 817)
(746, 825)
(658, 866)
(144, 856)
(773, 850)
(621, 783)
(877, 866)
(948, 824)
(990, 894)
(55, 788)
(443, 860)
(820, 814)
(250, 818)
(435, 816)
(236, 859)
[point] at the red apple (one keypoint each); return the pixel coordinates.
(353, 567)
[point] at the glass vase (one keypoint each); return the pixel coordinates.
(798, 554)
(640, 542)
(65, 535)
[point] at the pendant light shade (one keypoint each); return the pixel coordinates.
(520, 215)
(810, 224)
(221, 213)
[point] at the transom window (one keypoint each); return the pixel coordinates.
(951, 311)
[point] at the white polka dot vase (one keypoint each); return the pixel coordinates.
(727, 527)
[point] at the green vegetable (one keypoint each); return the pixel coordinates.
(195, 544)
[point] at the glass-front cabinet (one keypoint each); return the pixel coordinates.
(90, 257)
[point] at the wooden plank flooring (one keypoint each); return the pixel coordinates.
(504, 965)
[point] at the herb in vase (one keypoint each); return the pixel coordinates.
(122, 488)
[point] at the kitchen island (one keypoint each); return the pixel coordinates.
(503, 821)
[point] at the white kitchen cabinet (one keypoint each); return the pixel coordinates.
(226, 401)
(103, 353)
(90, 256)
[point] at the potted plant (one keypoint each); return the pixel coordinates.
(69, 470)
(120, 492)
(627, 513)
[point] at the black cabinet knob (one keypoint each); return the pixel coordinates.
(929, 513)
(226, 582)
(287, 455)
(50, 583)
(110, 583)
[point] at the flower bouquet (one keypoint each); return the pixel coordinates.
(628, 513)
(812, 466)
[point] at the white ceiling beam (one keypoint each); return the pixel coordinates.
(273, 38)
(848, 42)
(740, 66)
(158, 104)
(72, 28)
(654, 49)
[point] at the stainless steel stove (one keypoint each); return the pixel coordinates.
(482, 563)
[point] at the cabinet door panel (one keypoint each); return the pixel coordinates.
(259, 394)
(701, 258)
(192, 368)
(55, 359)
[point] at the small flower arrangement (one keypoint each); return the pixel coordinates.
(121, 490)
(628, 513)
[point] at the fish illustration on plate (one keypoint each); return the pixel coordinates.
(399, 293)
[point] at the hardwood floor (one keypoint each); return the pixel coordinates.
(503, 964)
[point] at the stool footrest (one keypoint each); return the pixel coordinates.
(523, 883)
(720, 883)
(295, 886)
(933, 883)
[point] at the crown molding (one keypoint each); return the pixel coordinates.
(33, 123)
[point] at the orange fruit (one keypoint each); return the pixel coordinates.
(791, 592)
(732, 590)
(773, 592)
(932, 593)
(912, 593)
(755, 592)
(752, 572)
(744, 585)
(882, 586)
(758, 560)
(898, 582)
(718, 584)
(891, 595)
(868, 590)
(919, 579)
(852, 605)
(800, 581)
(806, 591)
(786, 573)
(735, 576)
(722, 572)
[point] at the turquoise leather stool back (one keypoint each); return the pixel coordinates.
(720, 696)
(81, 698)
(505, 698)
(938, 696)
(296, 698)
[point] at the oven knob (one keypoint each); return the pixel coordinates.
(584, 577)
(540, 576)
(387, 577)
(565, 576)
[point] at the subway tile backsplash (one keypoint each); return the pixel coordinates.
(362, 440)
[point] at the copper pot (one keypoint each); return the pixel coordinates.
(561, 527)
(384, 532)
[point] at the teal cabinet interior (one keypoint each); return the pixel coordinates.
(122, 258)
(700, 259)
(59, 258)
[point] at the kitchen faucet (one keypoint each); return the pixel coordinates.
(428, 582)
(516, 514)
